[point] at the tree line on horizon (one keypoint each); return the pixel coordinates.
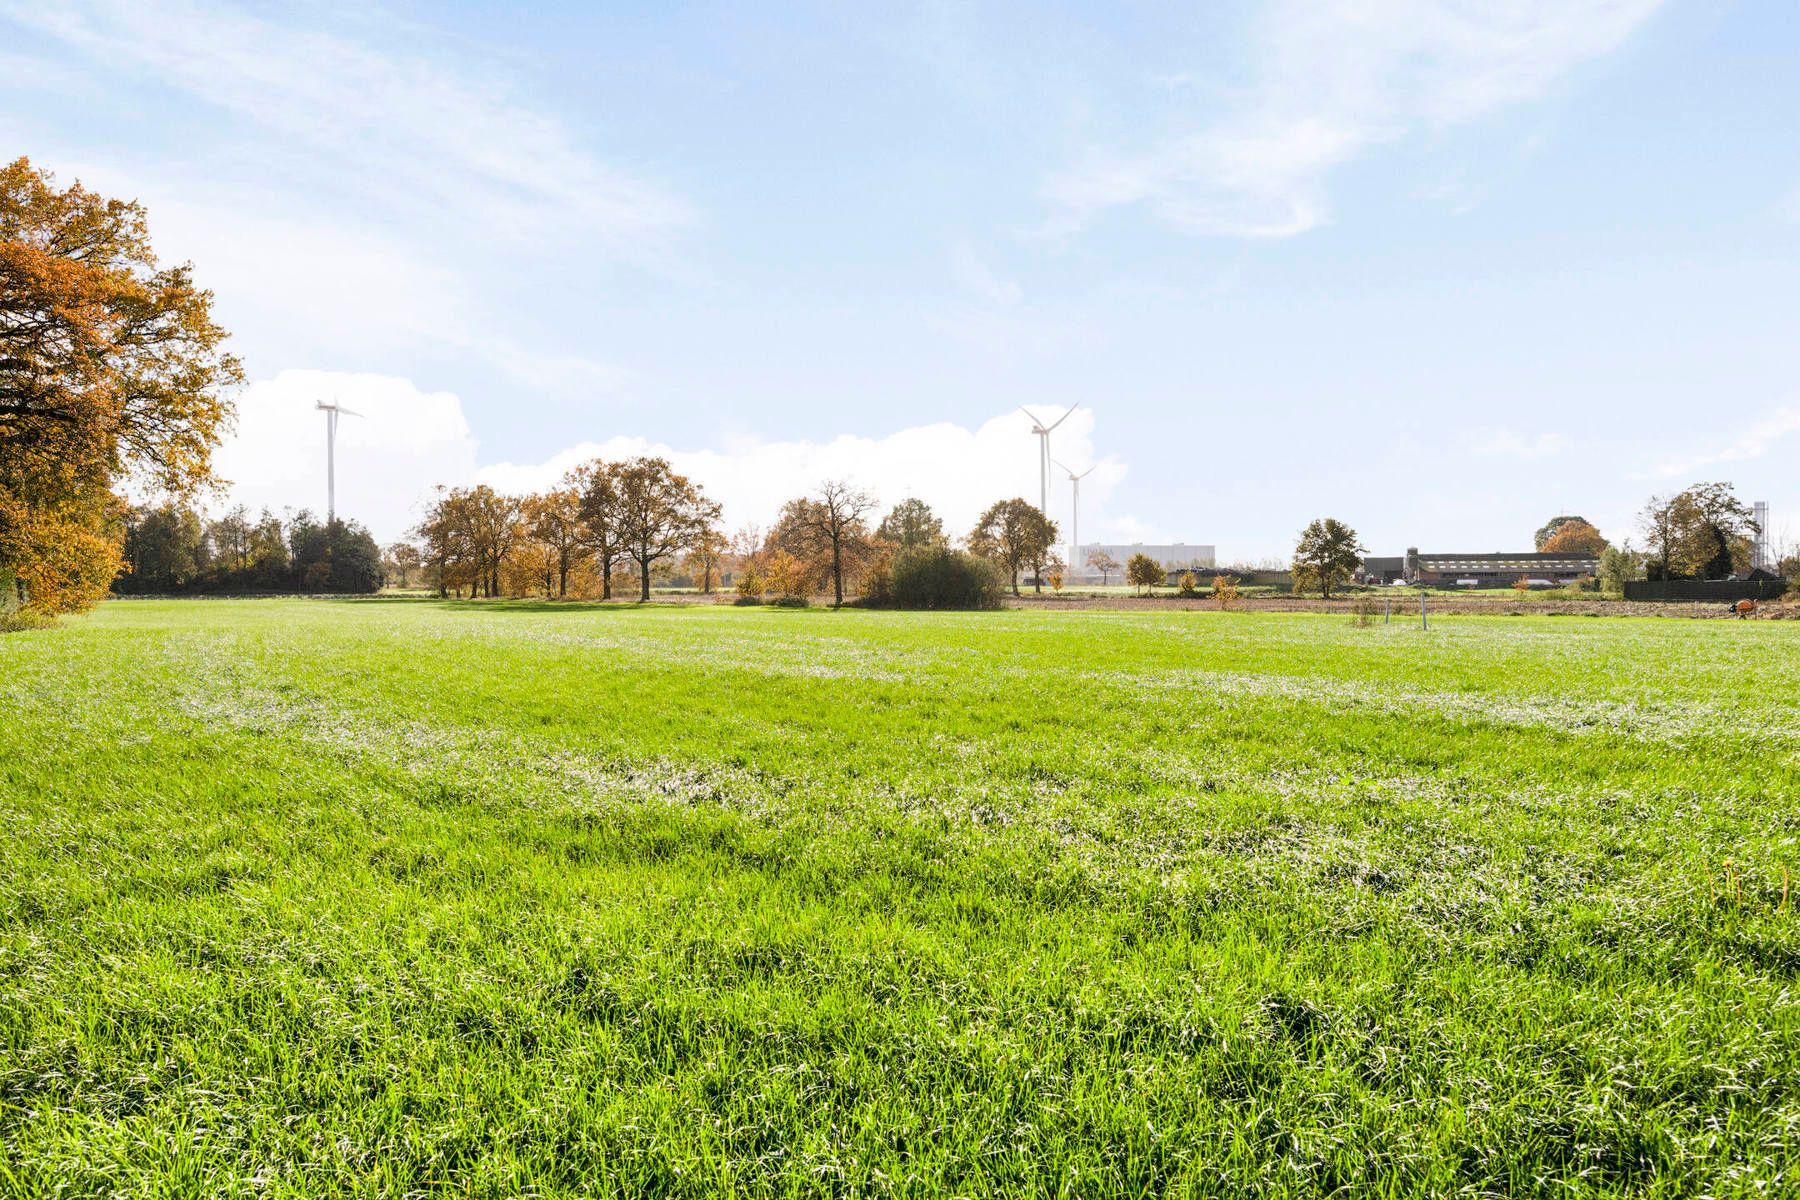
(1702, 532)
(171, 549)
(639, 520)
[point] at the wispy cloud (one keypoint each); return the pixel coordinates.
(1753, 441)
(1332, 80)
(320, 206)
(299, 288)
(402, 128)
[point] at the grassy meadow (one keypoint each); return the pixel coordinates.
(398, 897)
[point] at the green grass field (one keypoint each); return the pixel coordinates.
(398, 898)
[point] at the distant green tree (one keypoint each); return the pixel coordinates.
(937, 577)
(355, 560)
(1619, 565)
(1702, 532)
(338, 557)
(1327, 555)
(911, 524)
(164, 548)
(1013, 535)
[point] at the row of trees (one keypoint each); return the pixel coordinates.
(169, 549)
(1700, 532)
(641, 518)
(572, 539)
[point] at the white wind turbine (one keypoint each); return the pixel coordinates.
(332, 411)
(1043, 432)
(1075, 523)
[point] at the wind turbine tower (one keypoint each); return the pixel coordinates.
(1043, 433)
(1760, 558)
(1075, 522)
(332, 412)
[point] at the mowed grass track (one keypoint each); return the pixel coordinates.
(403, 898)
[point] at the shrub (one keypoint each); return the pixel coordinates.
(933, 577)
(790, 602)
(748, 600)
(1225, 590)
(1189, 583)
(21, 619)
(1143, 573)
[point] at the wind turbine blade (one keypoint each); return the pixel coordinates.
(1036, 425)
(1089, 471)
(348, 412)
(1066, 415)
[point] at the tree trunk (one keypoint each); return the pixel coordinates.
(605, 578)
(837, 572)
(643, 582)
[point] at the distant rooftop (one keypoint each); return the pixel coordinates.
(1507, 559)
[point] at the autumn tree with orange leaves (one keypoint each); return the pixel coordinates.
(553, 531)
(660, 514)
(111, 367)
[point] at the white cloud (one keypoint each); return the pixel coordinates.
(1754, 441)
(407, 441)
(403, 443)
(957, 470)
(1332, 80)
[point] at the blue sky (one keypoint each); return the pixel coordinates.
(1440, 269)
